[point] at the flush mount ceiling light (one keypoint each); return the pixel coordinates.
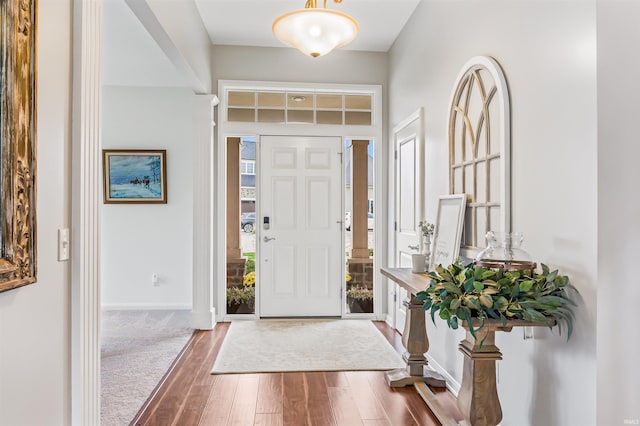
(315, 31)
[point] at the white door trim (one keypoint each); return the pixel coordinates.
(85, 213)
(411, 127)
(203, 313)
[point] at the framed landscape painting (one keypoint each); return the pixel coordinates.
(135, 176)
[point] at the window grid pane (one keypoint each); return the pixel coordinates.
(295, 107)
(247, 167)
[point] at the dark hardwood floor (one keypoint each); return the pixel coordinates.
(190, 395)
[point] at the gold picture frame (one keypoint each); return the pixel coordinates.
(18, 143)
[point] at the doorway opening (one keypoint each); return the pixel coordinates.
(271, 109)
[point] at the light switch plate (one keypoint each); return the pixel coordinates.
(63, 244)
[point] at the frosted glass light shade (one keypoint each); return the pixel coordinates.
(315, 31)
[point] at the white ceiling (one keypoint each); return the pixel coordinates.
(248, 22)
(133, 58)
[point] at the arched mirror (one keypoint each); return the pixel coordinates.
(479, 150)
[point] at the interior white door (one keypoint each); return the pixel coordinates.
(301, 255)
(408, 210)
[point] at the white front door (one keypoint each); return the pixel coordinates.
(301, 252)
(408, 208)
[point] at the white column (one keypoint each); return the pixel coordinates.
(203, 313)
(86, 201)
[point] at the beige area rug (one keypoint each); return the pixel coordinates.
(304, 345)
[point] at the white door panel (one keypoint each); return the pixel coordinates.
(408, 199)
(301, 265)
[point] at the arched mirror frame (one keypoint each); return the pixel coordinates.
(479, 122)
(18, 143)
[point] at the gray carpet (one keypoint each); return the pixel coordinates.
(137, 348)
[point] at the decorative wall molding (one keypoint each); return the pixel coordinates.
(203, 314)
(18, 147)
(86, 189)
(480, 149)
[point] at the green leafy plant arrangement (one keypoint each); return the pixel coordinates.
(473, 292)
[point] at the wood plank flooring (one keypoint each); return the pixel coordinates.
(189, 395)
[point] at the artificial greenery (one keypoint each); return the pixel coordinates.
(238, 295)
(426, 228)
(360, 293)
(465, 293)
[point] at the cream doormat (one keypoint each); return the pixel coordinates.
(304, 345)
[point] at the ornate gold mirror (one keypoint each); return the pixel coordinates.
(18, 143)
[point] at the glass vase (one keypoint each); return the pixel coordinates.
(426, 245)
(504, 251)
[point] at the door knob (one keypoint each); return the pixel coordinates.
(267, 239)
(416, 247)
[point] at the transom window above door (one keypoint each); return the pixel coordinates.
(299, 108)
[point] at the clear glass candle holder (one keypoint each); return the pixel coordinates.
(504, 251)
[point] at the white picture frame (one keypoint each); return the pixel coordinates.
(447, 236)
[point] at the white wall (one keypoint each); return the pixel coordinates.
(130, 55)
(139, 240)
(187, 42)
(547, 50)
(287, 64)
(35, 319)
(618, 212)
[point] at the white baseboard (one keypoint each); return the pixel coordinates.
(452, 384)
(144, 306)
(203, 320)
(389, 321)
(381, 317)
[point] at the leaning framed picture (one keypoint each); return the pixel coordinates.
(447, 235)
(135, 176)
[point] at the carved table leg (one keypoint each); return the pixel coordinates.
(478, 397)
(416, 342)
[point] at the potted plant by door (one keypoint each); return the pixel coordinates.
(360, 300)
(241, 300)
